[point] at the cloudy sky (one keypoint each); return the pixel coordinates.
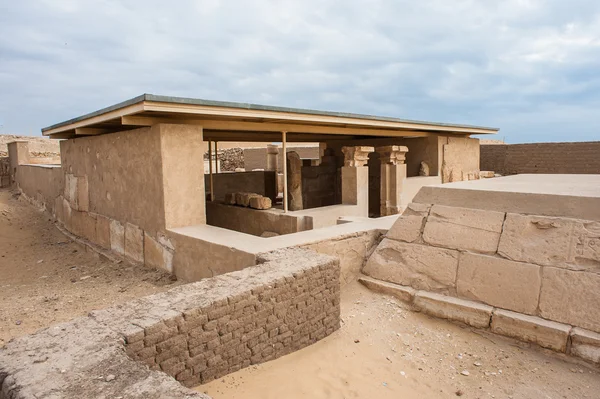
(529, 67)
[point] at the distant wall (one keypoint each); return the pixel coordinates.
(551, 158)
(259, 182)
(319, 185)
(42, 184)
(256, 158)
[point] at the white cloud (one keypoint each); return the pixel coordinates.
(514, 64)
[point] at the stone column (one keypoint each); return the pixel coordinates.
(294, 180)
(355, 178)
(272, 152)
(393, 173)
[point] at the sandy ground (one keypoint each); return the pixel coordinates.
(45, 278)
(384, 350)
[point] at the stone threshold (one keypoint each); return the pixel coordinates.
(547, 334)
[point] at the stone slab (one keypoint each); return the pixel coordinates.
(573, 196)
(419, 266)
(157, 256)
(499, 282)
(117, 237)
(585, 344)
(571, 297)
(471, 313)
(259, 202)
(463, 228)
(134, 243)
(405, 294)
(407, 228)
(560, 242)
(545, 333)
(103, 231)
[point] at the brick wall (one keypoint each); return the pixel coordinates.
(552, 158)
(195, 333)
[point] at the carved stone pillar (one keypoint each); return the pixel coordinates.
(393, 173)
(294, 178)
(355, 177)
(272, 152)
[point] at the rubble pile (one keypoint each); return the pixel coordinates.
(230, 159)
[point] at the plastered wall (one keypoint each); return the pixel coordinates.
(550, 158)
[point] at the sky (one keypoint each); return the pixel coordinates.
(528, 67)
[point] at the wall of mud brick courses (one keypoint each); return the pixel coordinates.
(550, 158)
(536, 268)
(193, 334)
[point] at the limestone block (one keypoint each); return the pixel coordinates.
(67, 219)
(157, 256)
(545, 333)
(405, 294)
(407, 228)
(77, 223)
(59, 211)
(486, 174)
(585, 344)
(571, 297)
(416, 209)
(462, 228)
(499, 282)
(70, 192)
(134, 243)
(550, 241)
(83, 197)
(418, 266)
(260, 202)
(88, 226)
(243, 199)
(446, 307)
(103, 231)
(229, 199)
(117, 237)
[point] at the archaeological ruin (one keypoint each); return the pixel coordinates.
(323, 199)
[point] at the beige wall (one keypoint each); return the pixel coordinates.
(259, 182)
(551, 158)
(460, 159)
(43, 184)
(256, 158)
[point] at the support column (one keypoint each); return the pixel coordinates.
(210, 170)
(294, 180)
(393, 173)
(285, 182)
(272, 152)
(18, 154)
(355, 177)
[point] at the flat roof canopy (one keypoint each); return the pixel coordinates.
(226, 121)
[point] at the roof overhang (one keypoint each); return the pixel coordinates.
(225, 121)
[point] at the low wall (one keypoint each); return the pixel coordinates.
(193, 333)
(544, 267)
(253, 221)
(41, 183)
(551, 158)
(259, 182)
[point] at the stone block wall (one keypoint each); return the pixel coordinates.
(259, 182)
(549, 158)
(544, 267)
(319, 185)
(193, 333)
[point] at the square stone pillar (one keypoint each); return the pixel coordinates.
(272, 152)
(355, 177)
(393, 173)
(18, 154)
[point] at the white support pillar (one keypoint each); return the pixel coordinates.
(285, 182)
(210, 170)
(355, 177)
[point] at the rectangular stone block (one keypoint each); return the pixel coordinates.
(464, 229)
(70, 192)
(545, 333)
(405, 294)
(117, 237)
(103, 231)
(585, 344)
(260, 202)
(407, 228)
(549, 241)
(419, 266)
(83, 197)
(157, 256)
(134, 243)
(59, 213)
(499, 282)
(88, 226)
(571, 297)
(446, 307)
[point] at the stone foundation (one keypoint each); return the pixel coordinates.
(193, 333)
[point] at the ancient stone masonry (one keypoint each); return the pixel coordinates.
(193, 333)
(538, 275)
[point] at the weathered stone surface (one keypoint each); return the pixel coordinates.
(407, 228)
(260, 202)
(134, 243)
(243, 199)
(117, 237)
(571, 297)
(229, 199)
(82, 202)
(405, 294)
(416, 209)
(499, 282)
(585, 344)
(88, 226)
(294, 181)
(462, 228)
(157, 256)
(103, 231)
(545, 333)
(446, 307)
(418, 266)
(549, 241)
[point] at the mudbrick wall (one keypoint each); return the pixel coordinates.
(193, 334)
(531, 277)
(552, 158)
